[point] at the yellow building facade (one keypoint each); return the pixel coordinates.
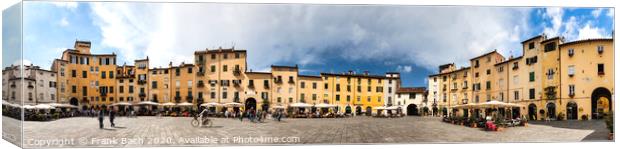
(543, 80)
(217, 76)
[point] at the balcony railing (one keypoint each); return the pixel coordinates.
(177, 99)
(142, 94)
(237, 72)
(200, 73)
(275, 80)
(141, 82)
(291, 81)
(103, 94)
(266, 86)
(251, 85)
(201, 84)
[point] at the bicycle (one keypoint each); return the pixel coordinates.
(205, 121)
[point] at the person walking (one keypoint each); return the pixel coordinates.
(112, 116)
(101, 114)
(241, 116)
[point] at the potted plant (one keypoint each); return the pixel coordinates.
(561, 116)
(472, 122)
(609, 121)
(584, 117)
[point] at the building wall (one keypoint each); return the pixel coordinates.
(586, 78)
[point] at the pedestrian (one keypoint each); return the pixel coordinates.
(101, 114)
(112, 116)
(241, 115)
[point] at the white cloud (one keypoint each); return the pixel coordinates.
(555, 14)
(589, 32)
(307, 34)
(597, 12)
(610, 12)
(69, 5)
(63, 22)
(405, 69)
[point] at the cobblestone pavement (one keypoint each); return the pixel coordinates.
(600, 128)
(174, 131)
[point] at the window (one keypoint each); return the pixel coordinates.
(550, 47)
(601, 69)
(177, 71)
(531, 60)
(224, 95)
(531, 45)
(488, 85)
(154, 85)
(571, 70)
(84, 91)
(599, 49)
(237, 55)
(84, 74)
(212, 56)
(111, 74)
(225, 55)
(515, 65)
(532, 76)
(516, 95)
(212, 68)
(337, 97)
(488, 71)
(571, 52)
(103, 75)
(302, 84)
(532, 93)
(337, 87)
(131, 89)
(189, 69)
(571, 90)
(73, 89)
(225, 68)
(121, 89)
(550, 74)
(313, 85)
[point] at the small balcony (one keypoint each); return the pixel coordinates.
(200, 73)
(13, 85)
(237, 72)
(251, 85)
(30, 86)
(291, 81)
(177, 99)
(237, 83)
(200, 84)
(141, 82)
(189, 98)
(142, 94)
(276, 80)
(515, 67)
(266, 86)
(103, 94)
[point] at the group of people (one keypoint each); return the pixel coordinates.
(101, 115)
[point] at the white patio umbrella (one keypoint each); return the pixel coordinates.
(121, 104)
(391, 108)
(148, 103)
(185, 104)
(28, 107)
(59, 105)
(233, 104)
(278, 107)
(300, 105)
(43, 106)
(494, 104)
(380, 108)
(167, 104)
(324, 105)
(210, 104)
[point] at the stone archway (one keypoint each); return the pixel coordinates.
(74, 101)
(531, 111)
(571, 111)
(551, 113)
(601, 102)
(412, 109)
(250, 103)
(358, 110)
(368, 111)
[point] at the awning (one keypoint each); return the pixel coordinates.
(233, 104)
(210, 104)
(121, 104)
(324, 105)
(148, 103)
(300, 105)
(185, 104)
(168, 104)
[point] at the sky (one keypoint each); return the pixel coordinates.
(412, 40)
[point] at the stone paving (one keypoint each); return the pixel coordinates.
(175, 131)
